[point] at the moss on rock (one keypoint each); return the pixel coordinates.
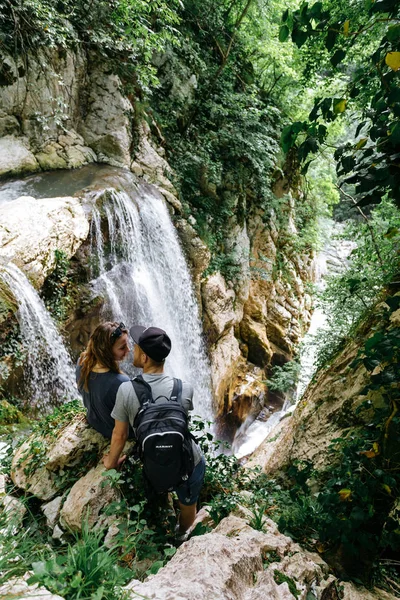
(8, 303)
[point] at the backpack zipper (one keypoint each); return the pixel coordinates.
(155, 420)
(160, 434)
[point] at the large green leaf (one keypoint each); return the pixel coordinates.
(394, 136)
(287, 138)
(299, 37)
(393, 33)
(331, 39)
(284, 33)
(338, 57)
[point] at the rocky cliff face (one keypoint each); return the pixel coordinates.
(260, 324)
(64, 110)
(330, 407)
(61, 110)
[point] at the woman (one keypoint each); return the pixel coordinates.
(98, 375)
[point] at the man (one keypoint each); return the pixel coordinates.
(152, 346)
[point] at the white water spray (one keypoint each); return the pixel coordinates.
(49, 373)
(145, 281)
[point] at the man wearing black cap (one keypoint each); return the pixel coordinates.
(152, 346)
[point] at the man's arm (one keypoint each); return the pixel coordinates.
(119, 436)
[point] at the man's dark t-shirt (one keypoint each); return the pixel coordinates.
(100, 399)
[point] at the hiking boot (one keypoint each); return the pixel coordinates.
(180, 536)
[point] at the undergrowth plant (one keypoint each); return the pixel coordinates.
(86, 570)
(20, 545)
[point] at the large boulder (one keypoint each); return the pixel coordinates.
(15, 156)
(236, 562)
(31, 230)
(44, 465)
(87, 498)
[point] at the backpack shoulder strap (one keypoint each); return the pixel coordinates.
(177, 391)
(142, 390)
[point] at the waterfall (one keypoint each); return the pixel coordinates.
(143, 276)
(49, 372)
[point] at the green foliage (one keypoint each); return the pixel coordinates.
(220, 135)
(139, 543)
(367, 38)
(52, 424)
(19, 545)
(269, 557)
(55, 291)
(10, 414)
(281, 578)
(372, 265)
(224, 478)
(11, 347)
(284, 378)
(87, 570)
(354, 511)
(258, 520)
(146, 521)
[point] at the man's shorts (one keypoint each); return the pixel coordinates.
(189, 491)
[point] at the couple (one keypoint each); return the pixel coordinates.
(112, 403)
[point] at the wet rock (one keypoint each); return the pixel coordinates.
(49, 159)
(48, 224)
(172, 201)
(15, 157)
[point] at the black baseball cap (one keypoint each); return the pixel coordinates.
(153, 341)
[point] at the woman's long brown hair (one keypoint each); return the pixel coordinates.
(99, 350)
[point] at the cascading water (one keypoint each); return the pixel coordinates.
(49, 372)
(145, 281)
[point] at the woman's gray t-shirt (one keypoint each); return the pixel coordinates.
(99, 401)
(127, 403)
